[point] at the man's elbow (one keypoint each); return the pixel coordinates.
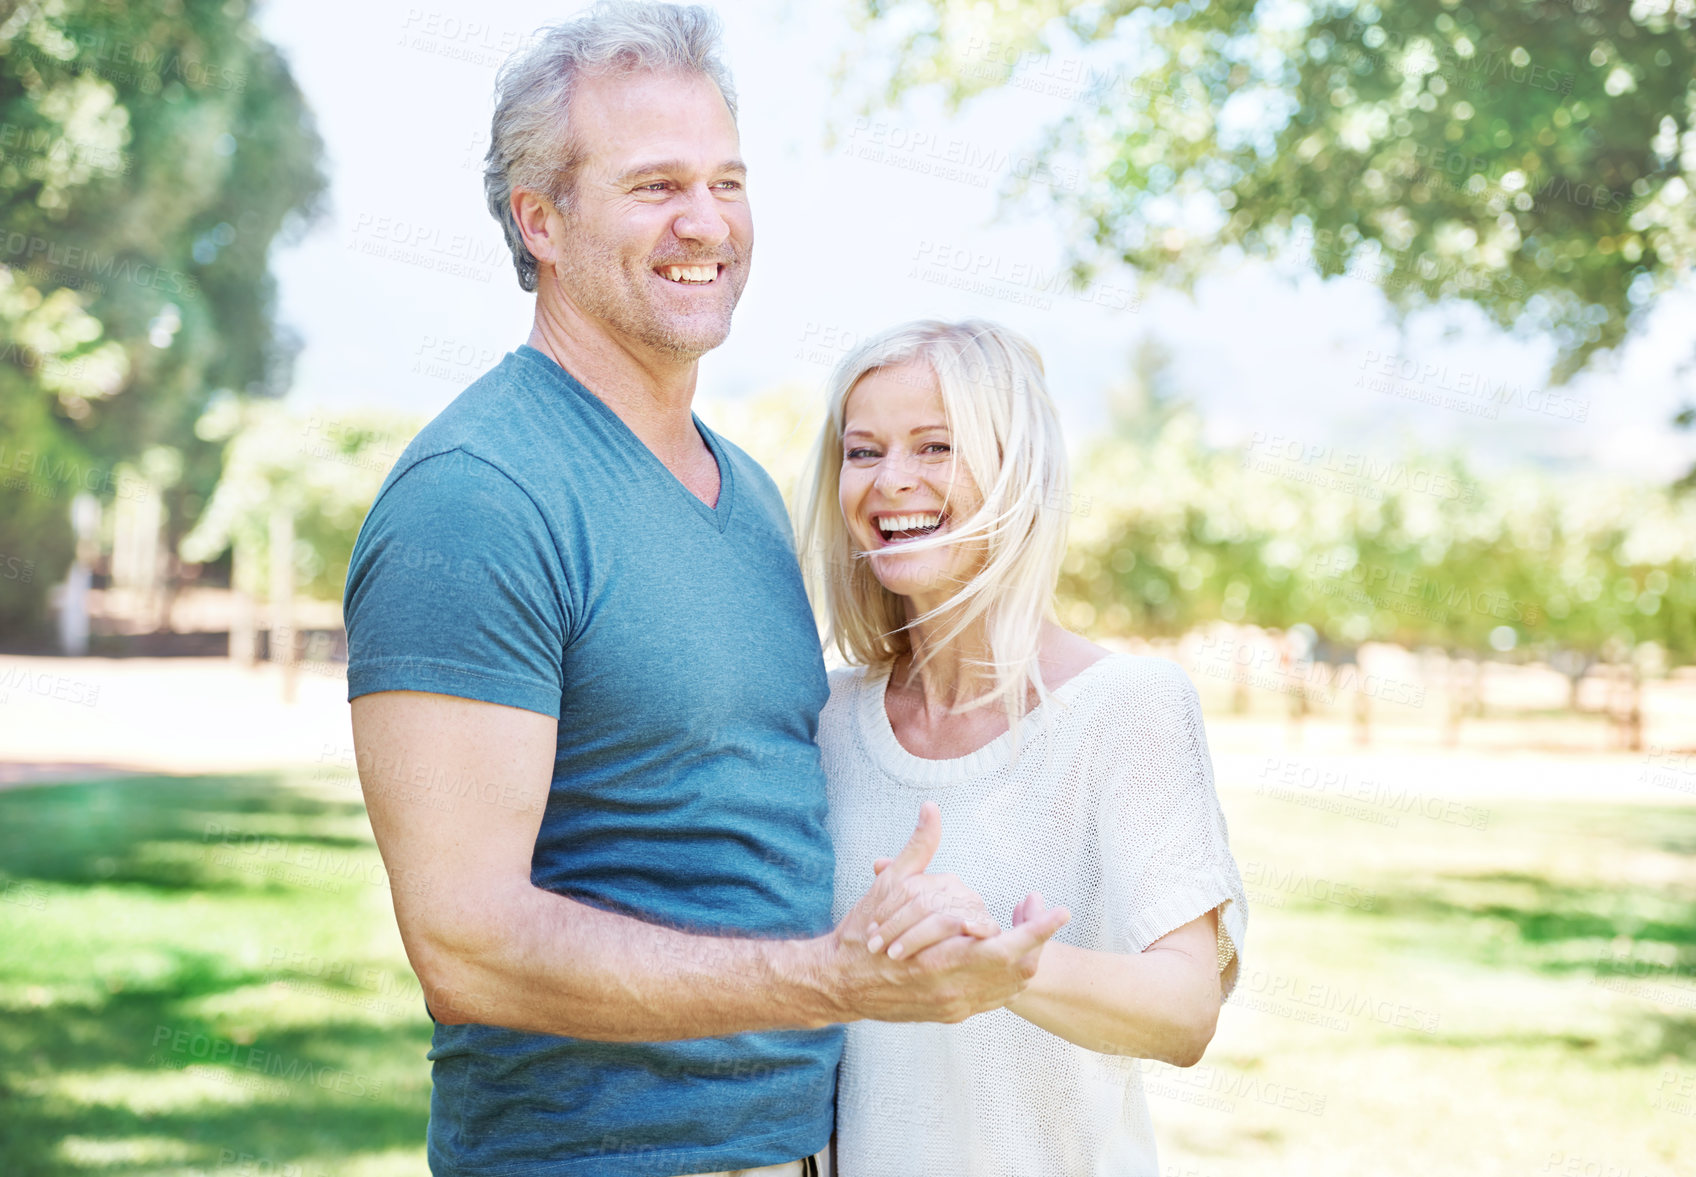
(448, 974)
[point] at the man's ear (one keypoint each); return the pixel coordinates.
(539, 221)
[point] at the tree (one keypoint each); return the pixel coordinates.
(321, 471)
(149, 157)
(1533, 158)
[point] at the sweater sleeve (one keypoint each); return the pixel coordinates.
(1166, 854)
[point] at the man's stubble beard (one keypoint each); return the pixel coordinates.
(595, 278)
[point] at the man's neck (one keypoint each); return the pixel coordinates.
(651, 393)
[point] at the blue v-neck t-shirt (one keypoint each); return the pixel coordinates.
(529, 550)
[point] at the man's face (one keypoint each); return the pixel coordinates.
(657, 243)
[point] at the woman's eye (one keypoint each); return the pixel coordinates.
(938, 447)
(854, 455)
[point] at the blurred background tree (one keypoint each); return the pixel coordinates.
(149, 157)
(321, 472)
(1533, 158)
(1169, 534)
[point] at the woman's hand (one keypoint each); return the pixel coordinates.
(951, 961)
(926, 910)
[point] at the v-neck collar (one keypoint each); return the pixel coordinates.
(717, 515)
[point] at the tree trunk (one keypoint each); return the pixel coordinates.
(282, 599)
(1362, 712)
(1456, 683)
(73, 608)
(244, 615)
(1634, 717)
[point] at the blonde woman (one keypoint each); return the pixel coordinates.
(932, 524)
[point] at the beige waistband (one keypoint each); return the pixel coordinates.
(786, 1169)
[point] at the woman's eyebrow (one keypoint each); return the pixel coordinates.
(917, 429)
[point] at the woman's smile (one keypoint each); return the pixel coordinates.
(895, 527)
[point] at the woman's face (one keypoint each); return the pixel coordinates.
(900, 480)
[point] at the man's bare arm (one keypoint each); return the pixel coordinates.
(455, 790)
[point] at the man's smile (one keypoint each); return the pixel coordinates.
(699, 274)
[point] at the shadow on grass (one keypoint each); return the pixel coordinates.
(1641, 1038)
(102, 832)
(1549, 920)
(150, 1060)
(1555, 924)
(282, 1095)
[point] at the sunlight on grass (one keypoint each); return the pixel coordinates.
(134, 1150)
(203, 977)
(1448, 997)
(153, 1090)
(211, 961)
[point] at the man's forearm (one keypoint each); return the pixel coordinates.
(542, 962)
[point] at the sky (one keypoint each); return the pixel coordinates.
(403, 292)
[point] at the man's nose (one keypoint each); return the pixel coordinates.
(701, 219)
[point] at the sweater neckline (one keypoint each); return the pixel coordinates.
(878, 734)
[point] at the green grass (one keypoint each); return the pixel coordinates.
(202, 976)
(1517, 999)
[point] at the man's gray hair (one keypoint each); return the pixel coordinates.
(530, 140)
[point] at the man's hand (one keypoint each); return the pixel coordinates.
(952, 962)
(491, 947)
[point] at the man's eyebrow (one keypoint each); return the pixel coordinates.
(671, 166)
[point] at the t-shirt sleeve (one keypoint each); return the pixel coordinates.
(1166, 854)
(457, 587)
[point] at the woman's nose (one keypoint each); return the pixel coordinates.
(896, 473)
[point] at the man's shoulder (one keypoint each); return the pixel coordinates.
(489, 432)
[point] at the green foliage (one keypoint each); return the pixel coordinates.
(149, 157)
(1534, 158)
(1415, 550)
(322, 471)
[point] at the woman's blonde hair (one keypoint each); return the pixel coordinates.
(1004, 428)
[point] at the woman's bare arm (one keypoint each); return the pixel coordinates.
(1162, 1003)
(455, 790)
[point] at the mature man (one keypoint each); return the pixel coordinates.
(586, 680)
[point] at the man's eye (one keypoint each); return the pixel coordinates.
(731, 185)
(656, 186)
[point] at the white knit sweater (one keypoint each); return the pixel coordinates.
(1109, 811)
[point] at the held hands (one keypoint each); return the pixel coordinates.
(921, 948)
(925, 910)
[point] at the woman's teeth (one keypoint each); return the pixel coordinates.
(899, 527)
(692, 274)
